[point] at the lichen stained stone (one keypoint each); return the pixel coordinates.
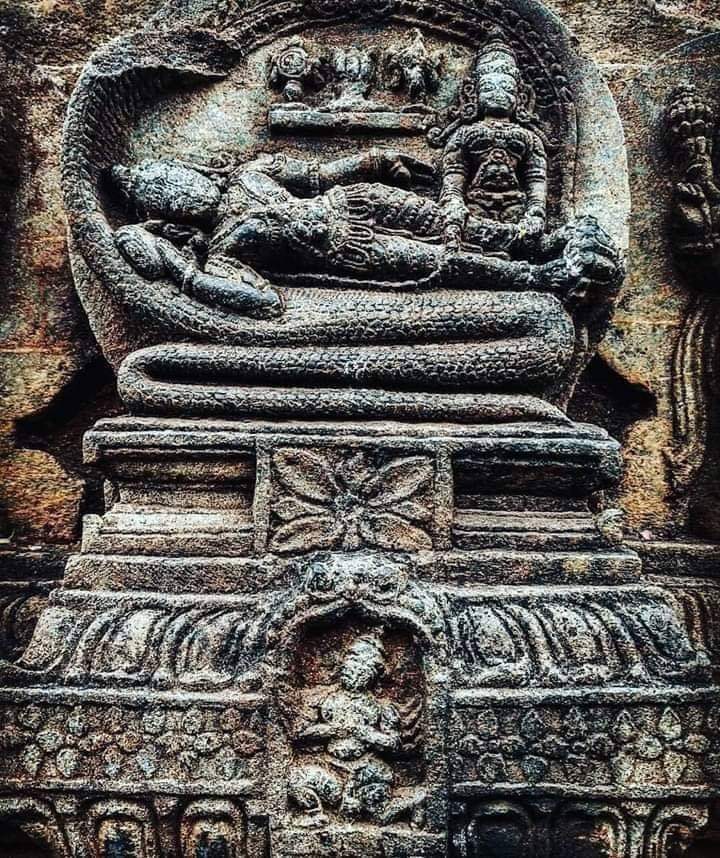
(360, 485)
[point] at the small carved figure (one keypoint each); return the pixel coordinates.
(690, 131)
(293, 70)
(358, 730)
(354, 70)
(415, 69)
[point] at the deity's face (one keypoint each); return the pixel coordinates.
(361, 666)
(497, 94)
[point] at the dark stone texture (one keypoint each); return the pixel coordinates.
(351, 581)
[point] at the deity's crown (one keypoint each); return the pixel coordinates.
(496, 57)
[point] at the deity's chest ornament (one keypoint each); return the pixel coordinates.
(355, 578)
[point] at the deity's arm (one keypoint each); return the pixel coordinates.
(387, 736)
(454, 184)
(317, 732)
(240, 289)
(309, 177)
(386, 166)
(323, 727)
(300, 176)
(535, 171)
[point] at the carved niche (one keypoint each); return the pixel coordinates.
(359, 744)
(359, 210)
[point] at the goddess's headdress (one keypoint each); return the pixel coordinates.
(496, 57)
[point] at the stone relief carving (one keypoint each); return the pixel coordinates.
(691, 127)
(356, 591)
(354, 84)
(414, 69)
(359, 695)
(516, 828)
(462, 248)
(292, 70)
(596, 746)
(690, 133)
(328, 502)
(21, 603)
(124, 745)
(505, 638)
(353, 734)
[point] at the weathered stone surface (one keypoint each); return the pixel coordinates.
(57, 38)
(351, 581)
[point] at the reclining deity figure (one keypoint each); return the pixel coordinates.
(360, 732)
(346, 279)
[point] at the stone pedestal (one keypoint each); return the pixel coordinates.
(198, 679)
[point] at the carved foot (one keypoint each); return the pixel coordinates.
(242, 295)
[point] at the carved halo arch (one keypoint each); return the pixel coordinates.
(407, 607)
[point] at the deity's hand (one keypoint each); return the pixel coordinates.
(191, 237)
(247, 293)
(531, 227)
(396, 168)
(452, 238)
(702, 174)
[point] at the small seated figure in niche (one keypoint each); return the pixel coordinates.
(344, 255)
(359, 732)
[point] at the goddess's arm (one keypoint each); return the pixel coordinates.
(309, 178)
(454, 184)
(535, 169)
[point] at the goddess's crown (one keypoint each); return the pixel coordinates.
(496, 57)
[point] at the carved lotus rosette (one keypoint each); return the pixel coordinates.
(344, 501)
